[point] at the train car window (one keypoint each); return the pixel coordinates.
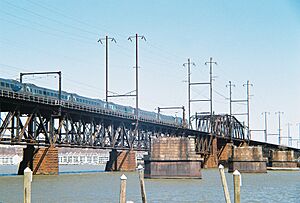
(2, 84)
(40, 91)
(6, 84)
(48, 94)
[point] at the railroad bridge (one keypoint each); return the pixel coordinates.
(42, 122)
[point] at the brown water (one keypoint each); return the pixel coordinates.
(104, 187)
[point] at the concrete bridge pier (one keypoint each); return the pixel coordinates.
(282, 159)
(124, 160)
(42, 161)
(173, 157)
(248, 160)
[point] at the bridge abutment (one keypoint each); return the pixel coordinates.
(173, 157)
(42, 161)
(121, 161)
(248, 160)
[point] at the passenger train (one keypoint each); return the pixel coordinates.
(28, 88)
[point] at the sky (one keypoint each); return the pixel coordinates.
(254, 40)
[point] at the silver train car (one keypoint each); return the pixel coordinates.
(28, 88)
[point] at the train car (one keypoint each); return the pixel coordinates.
(8, 84)
(16, 86)
(86, 101)
(124, 109)
(147, 114)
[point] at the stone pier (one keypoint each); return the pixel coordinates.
(225, 153)
(281, 159)
(42, 161)
(211, 160)
(247, 160)
(173, 157)
(121, 161)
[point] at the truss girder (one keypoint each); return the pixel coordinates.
(222, 126)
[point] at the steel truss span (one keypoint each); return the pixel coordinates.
(224, 126)
(29, 121)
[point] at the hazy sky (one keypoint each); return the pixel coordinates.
(250, 40)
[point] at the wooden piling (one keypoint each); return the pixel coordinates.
(224, 184)
(142, 183)
(27, 185)
(237, 186)
(123, 189)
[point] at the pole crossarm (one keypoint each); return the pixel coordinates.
(173, 107)
(47, 73)
(240, 100)
(122, 95)
(199, 100)
(199, 83)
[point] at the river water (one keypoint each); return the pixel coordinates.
(91, 184)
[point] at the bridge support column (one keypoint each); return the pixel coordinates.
(282, 160)
(42, 161)
(121, 161)
(247, 160)
(211, 160)
(225, 152)
(173, 157)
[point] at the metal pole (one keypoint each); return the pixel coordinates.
(248, 107)
(136, 77)
(189, 93)
(299, 130)
(211, 90)
(230, 93)
(230, 97)
(106, 70)
(289, 135)
(266, 126)
(248, 110)
(106, 64)
(183, 116)
(59, 88)
(279, 127)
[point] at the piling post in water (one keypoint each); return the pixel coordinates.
(27, 185)
(237, 186)
(224, 184)
(142, 183)
(123, 189)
